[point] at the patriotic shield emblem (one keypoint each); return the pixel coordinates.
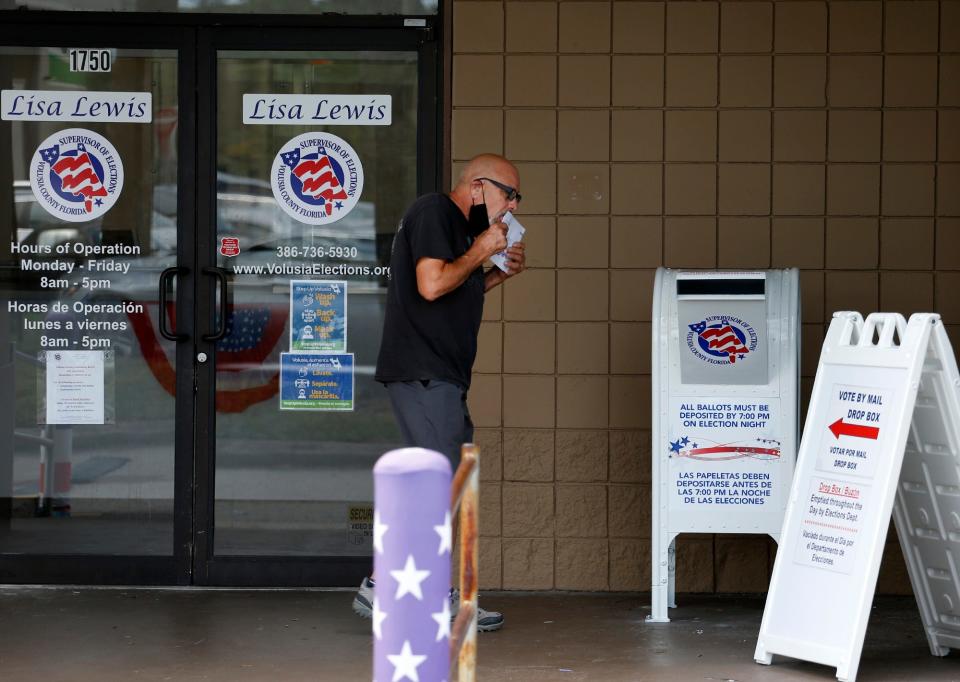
(248, 357)
(317, 178)
(76, 175)
(721, 339)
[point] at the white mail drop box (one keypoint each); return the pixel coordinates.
(725, 408)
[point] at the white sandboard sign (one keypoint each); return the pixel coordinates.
(926, 511)
(846, 482)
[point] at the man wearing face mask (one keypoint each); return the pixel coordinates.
(434, 307)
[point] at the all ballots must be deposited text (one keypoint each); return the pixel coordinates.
(725, 415)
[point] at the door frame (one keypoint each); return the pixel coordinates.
(132, 569)
(197, 37)
(287, 571)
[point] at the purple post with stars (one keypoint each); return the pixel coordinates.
(412, 545)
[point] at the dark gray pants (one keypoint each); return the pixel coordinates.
(432, 414)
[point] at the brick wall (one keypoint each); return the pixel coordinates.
(820, 135)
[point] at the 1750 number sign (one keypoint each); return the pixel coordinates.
(90, 59)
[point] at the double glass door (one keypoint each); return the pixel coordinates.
(194, 247)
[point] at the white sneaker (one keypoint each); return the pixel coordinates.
(363, 602)
(487, 621)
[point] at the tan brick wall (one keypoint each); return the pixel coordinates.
(810, 134)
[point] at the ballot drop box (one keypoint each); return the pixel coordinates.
(725, 408)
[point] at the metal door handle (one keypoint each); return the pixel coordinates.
(221, 276)
(165, 277)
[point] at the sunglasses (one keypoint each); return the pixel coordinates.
(511, 192)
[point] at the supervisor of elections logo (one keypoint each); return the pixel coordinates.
(76, 175)
(317, 178)
(721, 339)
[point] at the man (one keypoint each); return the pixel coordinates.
(434, 307)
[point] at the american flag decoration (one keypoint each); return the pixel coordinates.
(317, 177)
(76, 173)
(721, 339)
(247, 357)
(763, 449)
(412, 545)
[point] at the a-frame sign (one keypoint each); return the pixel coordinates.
(882, 436)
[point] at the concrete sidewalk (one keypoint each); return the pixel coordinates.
(80, 635)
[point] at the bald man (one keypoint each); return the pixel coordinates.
(435, 301)
(434, 306)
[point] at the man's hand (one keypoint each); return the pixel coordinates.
(492, 240)
(516, 263)
(516, 259)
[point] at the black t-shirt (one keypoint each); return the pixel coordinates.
(430, 339)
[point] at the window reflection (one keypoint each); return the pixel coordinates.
(400, 7)
(288, 482)
(103, 488)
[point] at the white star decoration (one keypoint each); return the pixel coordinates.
(443, 620)
(409, 579)
(405, 663)
(445, 533)
(379, 530)
(378, 618)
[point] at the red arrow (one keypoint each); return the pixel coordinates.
(856, 430)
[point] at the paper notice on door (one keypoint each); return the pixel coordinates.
(515, 232)
(75, 387)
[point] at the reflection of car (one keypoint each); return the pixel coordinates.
(275, 248)
(37, 227)
(270, 241)
(351, 240)
(247, 209)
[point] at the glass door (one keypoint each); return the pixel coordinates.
(95, 393)
(318, 145)
(195, 228)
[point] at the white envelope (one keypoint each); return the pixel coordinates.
(515, 232)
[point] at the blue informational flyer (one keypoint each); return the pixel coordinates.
(316, 381)
(318, 315)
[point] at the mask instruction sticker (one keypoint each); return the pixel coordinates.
(76, 175)
(318, 315)
(317, 178)
(316, 381)
(724, 453)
